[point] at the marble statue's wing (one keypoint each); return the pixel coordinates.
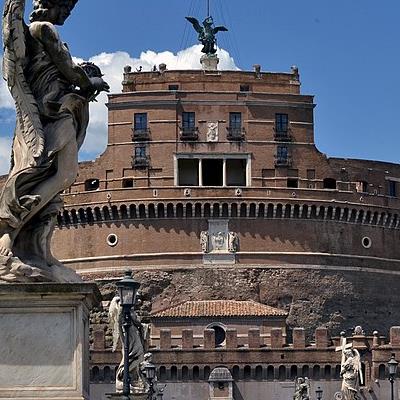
(220, 29)
(195, 23)
(113, 317)
(15, 59)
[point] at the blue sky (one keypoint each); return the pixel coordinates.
(347, 52)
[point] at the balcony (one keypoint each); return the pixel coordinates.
(140, 162)
(189, 133)
(282, 135)
(141, 134)
(282, 161)
(236, 133)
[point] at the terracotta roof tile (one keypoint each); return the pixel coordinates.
(220, 308)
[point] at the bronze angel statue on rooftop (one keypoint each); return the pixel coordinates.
(52, 96)
(207, 33)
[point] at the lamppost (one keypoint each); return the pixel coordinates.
(150, 370)
(392, 367)
(127, 289)
(318, 393)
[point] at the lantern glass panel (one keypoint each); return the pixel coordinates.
(127, 295)
(150, 371)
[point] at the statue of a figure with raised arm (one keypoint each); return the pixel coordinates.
(51, 95)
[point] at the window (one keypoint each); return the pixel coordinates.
(282, 156)
(235, 130)
(235, 120)
(140, 157)
(188, 172)
(127, 183)
(362, 186)
(245, 88)
(220, 334)
(188, 120)
(311, 174)
(212, 172)
(173, 87)
(140, 152)
(392, 188)
(329, 183)
(236, 172)
(140, 122)
(292, 183)
(281, 123)
(189, 130)
(92, 184)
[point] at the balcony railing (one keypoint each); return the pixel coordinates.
(281, 161)
(189, 133)
(282, 135)
(236, 133)
(140, 161)
(141, 134)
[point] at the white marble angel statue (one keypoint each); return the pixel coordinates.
(51, 95)
(302, 389)
(137, 337)
(351, 374)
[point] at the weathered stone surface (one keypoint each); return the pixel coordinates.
(334, 299)
(44, 340)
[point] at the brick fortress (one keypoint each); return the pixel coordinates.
(212, 188)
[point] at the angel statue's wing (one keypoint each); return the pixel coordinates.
(14, 62)
(195, 23)
(357, 365)
(114, 312)
(220, 29)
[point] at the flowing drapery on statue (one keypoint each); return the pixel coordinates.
(51, 95)
(351, 374)
(137, 337)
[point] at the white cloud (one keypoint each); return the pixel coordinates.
(112, 65)
(5, 153)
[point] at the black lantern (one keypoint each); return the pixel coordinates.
(318, 393)
(392, 367)
(150, 371)
(127, 289)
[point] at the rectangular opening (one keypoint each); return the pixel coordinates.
(311, 174)
(188, 120)
(245, 88)
(392, 188)
(236, 172)
(212, 172)
(188, 172)
(281, 123)
(173, 87)
(140, 121)
(127, 183)
(293, 183)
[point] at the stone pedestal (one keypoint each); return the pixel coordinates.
(119, 396)
(44, 340)
(209, 62)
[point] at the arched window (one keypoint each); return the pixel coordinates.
(270, 373)
(305, 371)
(382, 371)
(259, 373)
(206, 372)
(185, 373)
(282, 373)
(196, 373)
(220, 333)
(236, 372)
(337, 372)
(247, 372)
(174, 373)
(107, 375)
(328, 372)
(162, 373)
(316, 372)
(293, 372)
(95, 374)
